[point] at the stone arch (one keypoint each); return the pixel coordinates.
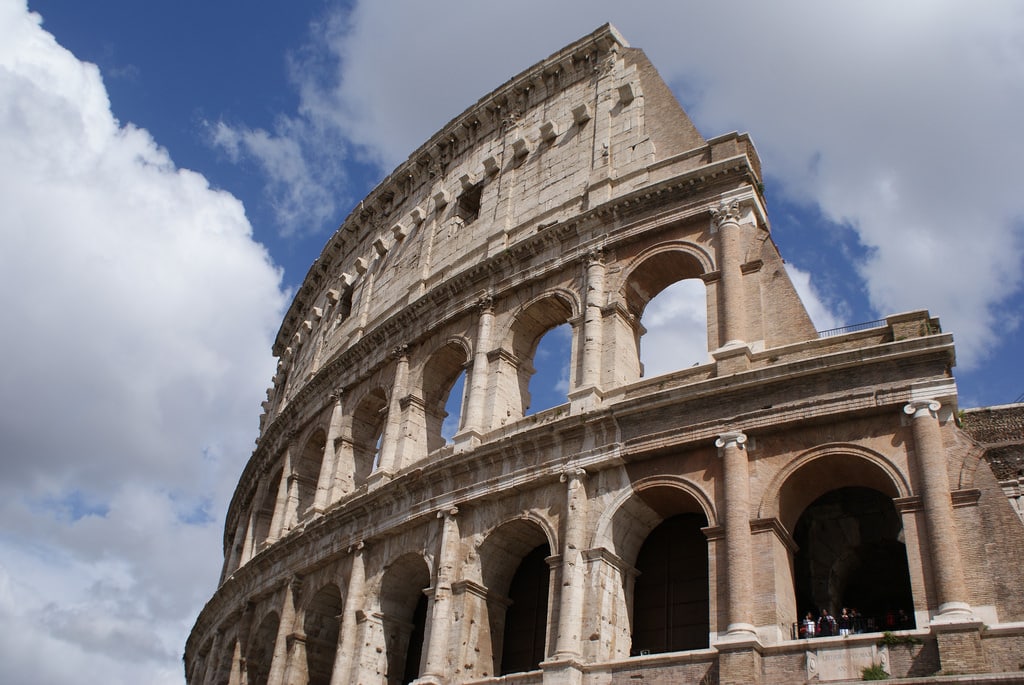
(260, 653)
(519, 601)
(321, 626)
(656, 528)
(306, 470)
(837, 501)
(403, 610)
(648, 275)
(367, 421)
(439, 374)
(631, 516)
(526, 327)
(658, 267)
(263, 519)
(824, 468)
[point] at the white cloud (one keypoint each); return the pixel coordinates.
(139, 316)
(896, 120)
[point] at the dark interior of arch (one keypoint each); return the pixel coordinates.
(671, 608)
(261, 651)
(851, 554)
(404, 607)
(265, 516)
(308, 470)
(367, 427)
(526, 618)
(321, 629)
(414, 652)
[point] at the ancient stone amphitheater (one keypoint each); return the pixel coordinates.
(667, 529)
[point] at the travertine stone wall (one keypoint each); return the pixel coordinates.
(574, 194)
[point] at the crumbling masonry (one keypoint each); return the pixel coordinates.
(669, 529)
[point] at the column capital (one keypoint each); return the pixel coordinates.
(486, 303)
(922, 408)
(400, 352)
(727, 211)
(736, 438)
(336, 394)
(594, 256)
(450, 512)
(573, 474)
(356, 547)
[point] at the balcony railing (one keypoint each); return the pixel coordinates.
(853, 328)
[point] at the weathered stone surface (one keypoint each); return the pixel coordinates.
(575, 193)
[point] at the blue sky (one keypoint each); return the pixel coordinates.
(169, 170)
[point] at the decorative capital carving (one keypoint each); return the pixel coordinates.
(400, 352)
(448, 513)
(728, 210)
(336, 394)
(736, 438)
(572, 474)
(595, 256)
(356, 547)
(486, 303)
(921, 408)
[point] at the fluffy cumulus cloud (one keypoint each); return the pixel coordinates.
(895, 122)
(139, 315)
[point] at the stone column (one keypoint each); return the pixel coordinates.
(213, 660)
(389, 458)
(736, 508)
(943, 542)
(593, 320)
(278, 520)
(279, 662)
(329, 464)
(238, 546)
(474, 423)
(435, 669)
(237, 665)
(345, 658)
(732, 312)
(570, 613)
(298, 669)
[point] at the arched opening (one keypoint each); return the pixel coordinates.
(307, 471)
(851, 555)
(525, 355)
(549, 382)
(671, 608)
(675, 326)
(224, 662)
(515, 571)
(265, 514)
(443, 382)
(261, 650)
(321, 628)
(668, 300)
(526, 619)
(454, 408)
(404, 612)
(367, 431)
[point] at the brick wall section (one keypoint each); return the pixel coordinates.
(1001, 431)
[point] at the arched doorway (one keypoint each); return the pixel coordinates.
(515, 571)
(527, 617)
(261, 650)
(404, 613)
(320, 626)
(671, 609)
(851, 555)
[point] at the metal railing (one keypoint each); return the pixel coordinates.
(853, 328)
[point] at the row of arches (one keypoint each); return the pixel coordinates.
(515, 363)
(657, 544)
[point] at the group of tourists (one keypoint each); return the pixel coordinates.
(850, 621)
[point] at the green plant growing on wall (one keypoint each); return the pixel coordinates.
(874, 672)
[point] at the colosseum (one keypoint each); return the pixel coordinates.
(676, 528)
